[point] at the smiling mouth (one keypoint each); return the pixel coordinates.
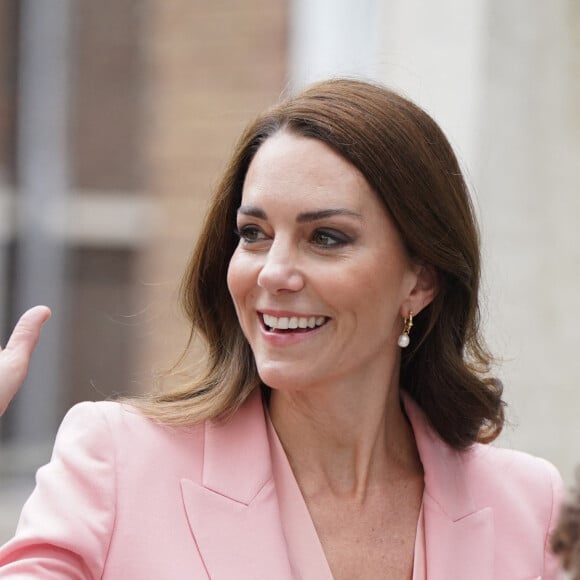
(292, 323)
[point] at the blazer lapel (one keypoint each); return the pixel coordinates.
(233, 514)
(458, 549)
(459, 536)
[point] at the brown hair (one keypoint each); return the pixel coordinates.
(565, 540)
(408, 161)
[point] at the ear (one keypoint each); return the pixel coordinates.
(425, 290)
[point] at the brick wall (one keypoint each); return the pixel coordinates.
(210, 66)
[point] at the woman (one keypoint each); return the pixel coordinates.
(340, 429)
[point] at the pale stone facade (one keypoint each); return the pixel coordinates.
(503, 80)
(211, 67)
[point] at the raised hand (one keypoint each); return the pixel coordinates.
(15, 358)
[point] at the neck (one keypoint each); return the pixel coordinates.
(345, 440)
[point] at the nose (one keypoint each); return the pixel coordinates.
(281, 272)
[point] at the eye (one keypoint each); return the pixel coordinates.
(329, 238)
(250, 234)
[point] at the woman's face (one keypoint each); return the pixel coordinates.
(320, 278)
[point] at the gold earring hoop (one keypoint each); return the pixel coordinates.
(404, 338)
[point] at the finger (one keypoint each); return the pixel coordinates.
(27, 330)
(15, 358)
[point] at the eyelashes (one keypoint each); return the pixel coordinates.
(325, 238)
(250, 234)
(330, 238)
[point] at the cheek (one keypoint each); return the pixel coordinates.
(376, 290)
(235, 278)
(240, 280)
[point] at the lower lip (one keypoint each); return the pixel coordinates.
(289, 338)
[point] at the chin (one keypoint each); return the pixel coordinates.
(280, 378)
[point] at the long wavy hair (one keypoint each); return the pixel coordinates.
(409, 163)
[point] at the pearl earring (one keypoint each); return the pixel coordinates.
(404, 338)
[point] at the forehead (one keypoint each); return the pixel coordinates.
(304, 170)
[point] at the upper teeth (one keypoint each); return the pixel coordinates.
(285, 322)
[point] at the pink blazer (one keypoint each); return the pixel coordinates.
(126, 498)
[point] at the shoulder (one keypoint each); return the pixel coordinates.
(490, 473)
(118, 432)
(497, 464)
(525, 493)
(102, 413)
(114, 416)
(513, 479)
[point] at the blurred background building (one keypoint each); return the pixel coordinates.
(117, 116)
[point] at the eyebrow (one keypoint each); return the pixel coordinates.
(304, 217)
